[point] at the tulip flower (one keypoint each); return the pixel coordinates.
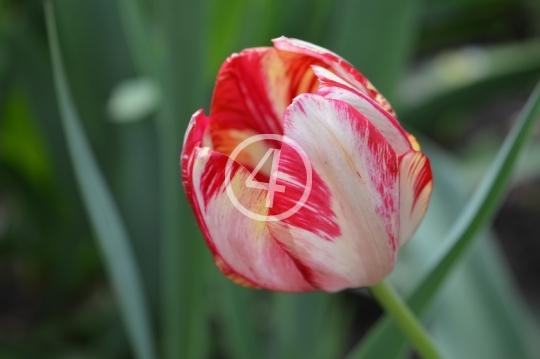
(367, 181)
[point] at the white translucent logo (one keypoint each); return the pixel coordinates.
(271, 187)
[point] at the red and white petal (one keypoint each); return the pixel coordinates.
(252, 91)
(340, 66)
(250, 156)
(196, 136)
(346, 233)
(196, 132)
(243, 248)
(416, 184)
(332, 86)
(241, 99)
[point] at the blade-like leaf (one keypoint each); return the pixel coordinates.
(137, 33)
(112, 237)
(310, 325)
(239, 325)
(483, 204)
(181, 26)
(479, 309)
(478, 160)
(385, 338)
(375, 36)
(477, 306)
(226, 25)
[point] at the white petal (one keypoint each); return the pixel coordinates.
(346, 234)
(416, 184)
(243, 248)
(332, 86)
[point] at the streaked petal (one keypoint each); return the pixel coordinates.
(346, 233)
(243, 248)
(249, 156)
(332, 86)
(416, 184)
(196, 136)
(338, 65)
(240, 98)
(252, 91)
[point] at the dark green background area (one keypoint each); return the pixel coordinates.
(457, 72)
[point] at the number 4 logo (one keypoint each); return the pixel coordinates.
(270, 186)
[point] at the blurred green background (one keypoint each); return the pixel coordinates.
(457, 73)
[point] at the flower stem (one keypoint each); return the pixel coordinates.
(405, 320)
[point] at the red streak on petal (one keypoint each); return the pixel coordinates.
(384, 171)
(338, 65)
(193, 139)
(298, 69)
(316, 215)
(212, 190)
(327, 84)
(240, 98)
(384, 176)
(192, 142)
(213, 177)
(423, 178)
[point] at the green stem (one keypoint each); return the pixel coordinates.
(405, 320)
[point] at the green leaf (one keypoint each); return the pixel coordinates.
(377, 37)
(184, 317)
(240, 333)
(112, 237)
(136, 31)
(478, 306)
(483, 204)
(225, 29)
(96, 60)
(481, 207)
(310, 325)
(456, 79)
(478, 158)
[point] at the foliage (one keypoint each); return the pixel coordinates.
(113, 178)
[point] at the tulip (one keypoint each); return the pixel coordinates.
(368, 184)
